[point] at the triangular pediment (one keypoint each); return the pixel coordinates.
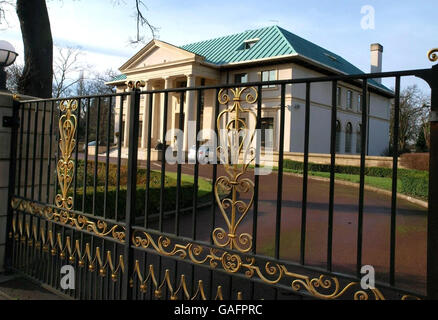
(157, 53)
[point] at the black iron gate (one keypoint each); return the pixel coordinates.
(132, 232)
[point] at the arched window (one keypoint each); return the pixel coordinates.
(348, 134)
(338, 136)
(359, 139)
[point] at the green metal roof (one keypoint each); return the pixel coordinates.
(119, 77)
(272, 42)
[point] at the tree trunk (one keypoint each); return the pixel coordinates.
(37, 76)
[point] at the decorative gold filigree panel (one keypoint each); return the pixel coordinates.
(236, 154)
(67, 143)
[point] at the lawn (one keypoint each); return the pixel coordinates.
(413, 183)
(377, 182)
(116, 199)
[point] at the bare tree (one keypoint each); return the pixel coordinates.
(36, 79)
(65, 69)
(413, 107)
(141, 22)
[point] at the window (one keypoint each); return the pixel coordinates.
(269, 75)
(359, 103)
(248, 44)
(338, 96)
(348, 134)
(359, 139)
(338, 136)
(241, 78)
(267, 130)
(350, 99)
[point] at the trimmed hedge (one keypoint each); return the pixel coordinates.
(186, 197)
(413, 182)
(186, 194)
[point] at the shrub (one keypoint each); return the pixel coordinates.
(186, 198)
(186, 195)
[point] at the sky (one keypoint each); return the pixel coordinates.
(103, 28)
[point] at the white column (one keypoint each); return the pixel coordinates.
(144, 140)
(127, 113)
(167, 85)
(189, 110)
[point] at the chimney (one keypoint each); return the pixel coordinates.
(376, 59)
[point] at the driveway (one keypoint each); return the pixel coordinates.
(410, 237)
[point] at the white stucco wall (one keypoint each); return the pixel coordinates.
(320, 116)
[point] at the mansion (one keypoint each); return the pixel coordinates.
(265, 54)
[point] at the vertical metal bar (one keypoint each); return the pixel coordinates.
(49, 157)
(75, 172)
(148, 162)
(178, 165)
(196, 173)
(27, 150)
(31, 219)
(35, 136)
(11, 187)
(432, 217)
(178, 173)
(96, 159)
(20, 150)
(256, 177)
(26, 249)
(43, 133)
(119, 159)
(195, 178)
(48, 181)
(108, 133)
(394, 181)
(163, 174)
(163, 163)
(131, 189)
(363, 138)
(213, 179)
(332, 176)
(84, 183)
(57, 137)
(305, 176)
(280, 173)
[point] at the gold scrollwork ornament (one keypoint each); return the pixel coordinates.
(235, 141)
(67, 143)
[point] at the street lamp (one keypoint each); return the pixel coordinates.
(7, 57)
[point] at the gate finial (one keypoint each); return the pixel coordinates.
(432, 55)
